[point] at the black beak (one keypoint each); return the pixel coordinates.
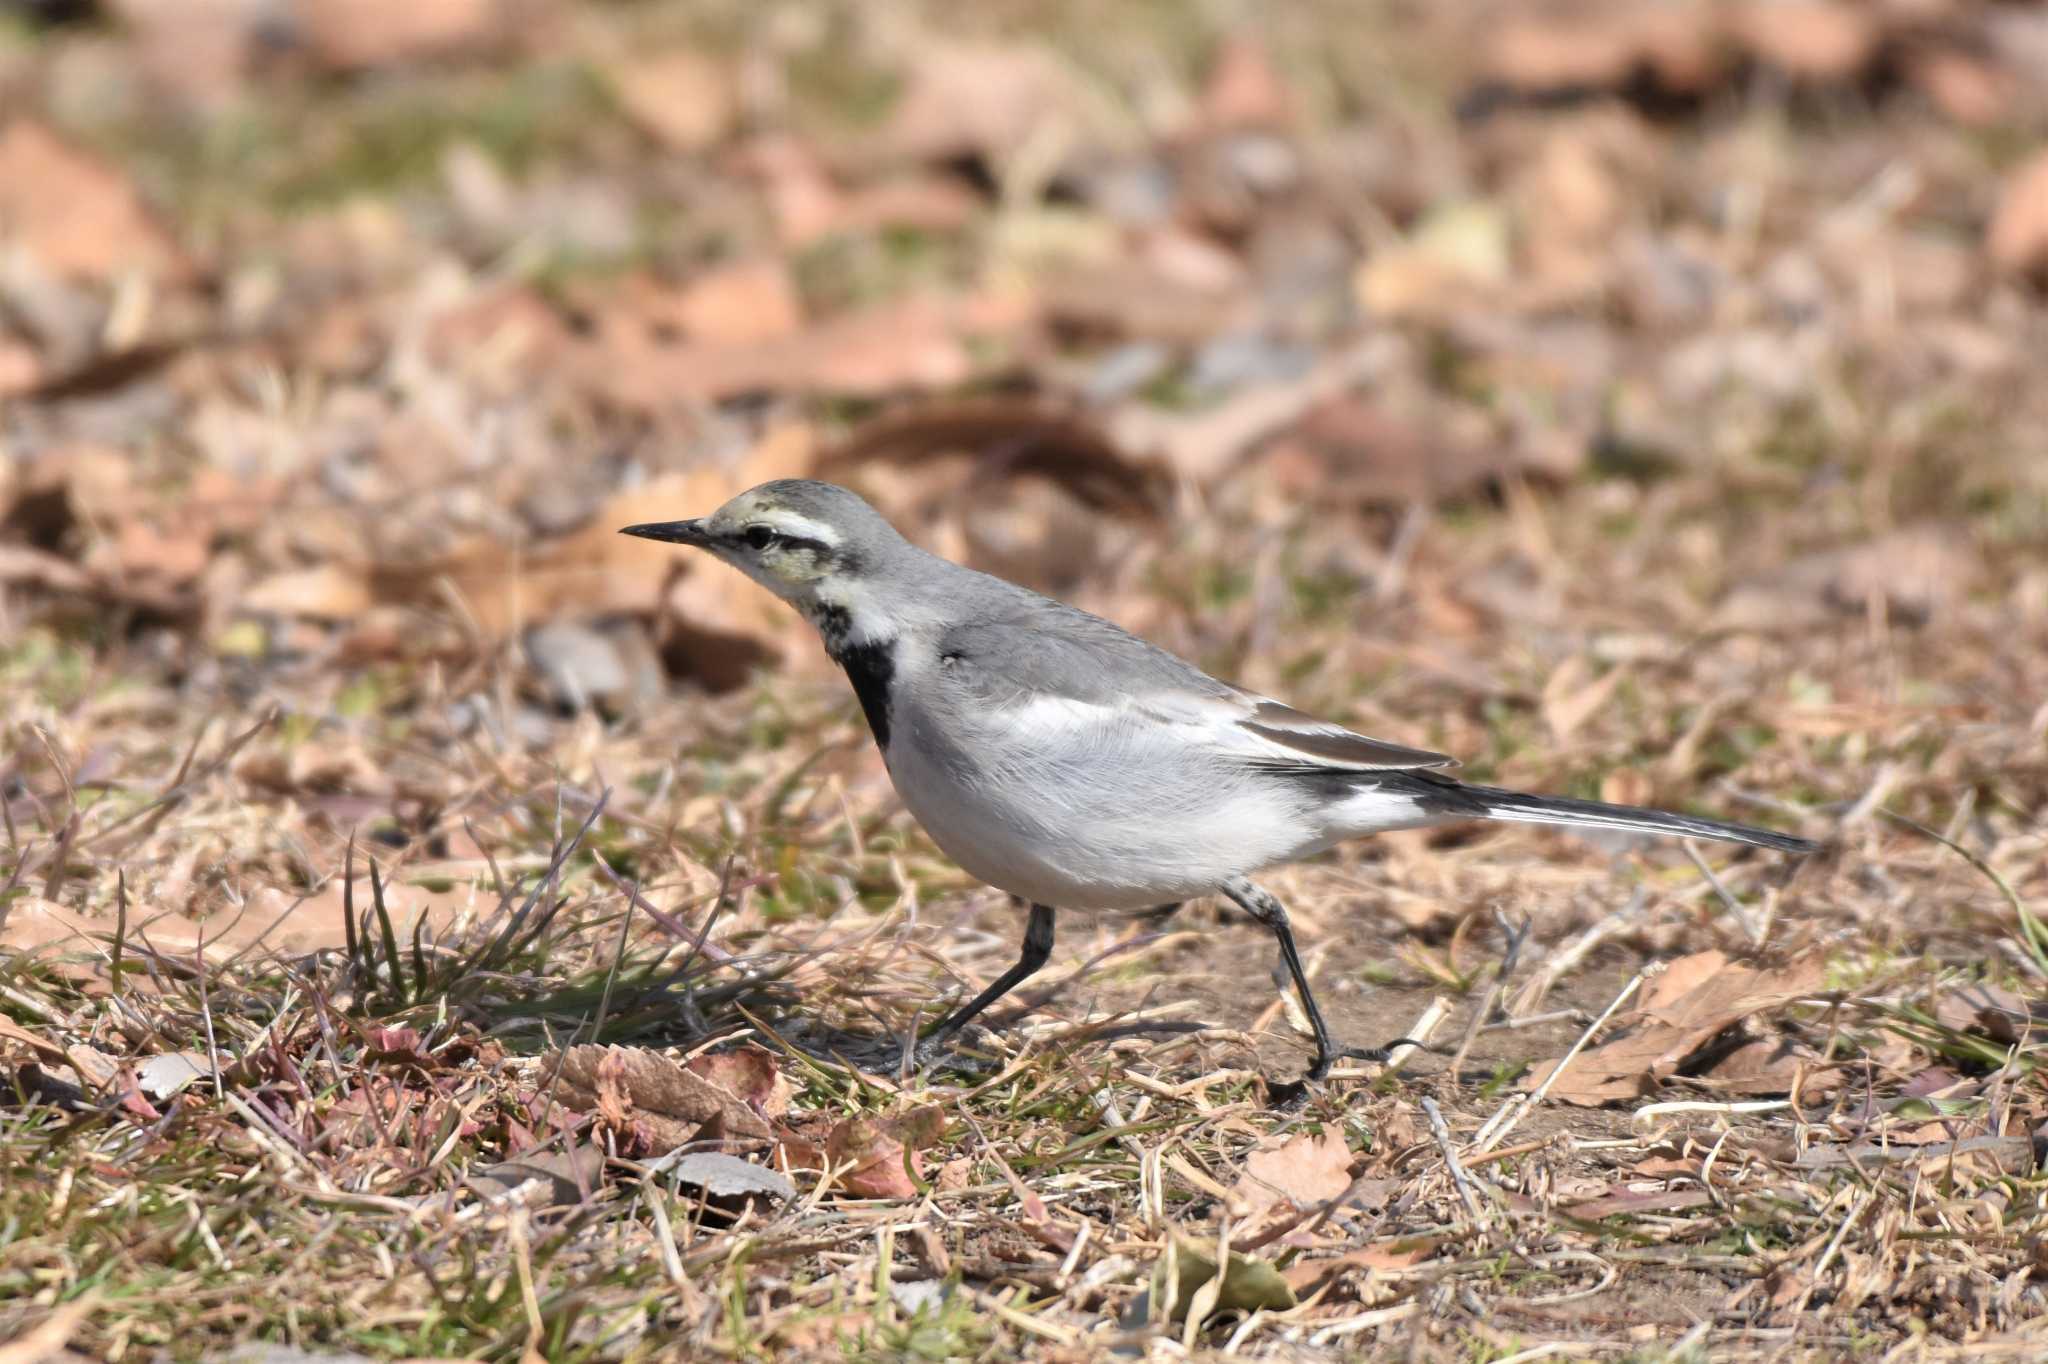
(674, 532)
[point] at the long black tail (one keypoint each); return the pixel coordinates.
(1491, 802)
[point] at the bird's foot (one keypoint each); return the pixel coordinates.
(1294, 1094)
(940, 1049)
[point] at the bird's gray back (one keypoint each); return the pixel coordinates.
(1006, 639)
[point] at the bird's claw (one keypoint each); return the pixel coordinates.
(1294, 1093)
(929, 1052)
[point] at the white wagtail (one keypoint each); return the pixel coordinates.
(1068, 762)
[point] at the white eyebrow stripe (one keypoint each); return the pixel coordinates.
(802, 527)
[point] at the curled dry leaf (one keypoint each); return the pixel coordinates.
(556, 1178)
(741, 303)
(753, 1075)
(1306, 1276)
(643, 1088)
(1816, 40)
(1773, 1066)
(79, 217)
(979, 99)
(729, 1186)
(2018, 237)
(1303, 1170)
(1188, 1275)
(680, 97)
(1009, 437)
(357, 35)
(330, 591)
(879, 1157)
(1701, 996)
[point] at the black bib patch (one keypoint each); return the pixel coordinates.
(870, 666)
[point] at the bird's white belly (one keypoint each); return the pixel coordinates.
(1094, 823)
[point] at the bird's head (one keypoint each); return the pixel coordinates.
(809, 543)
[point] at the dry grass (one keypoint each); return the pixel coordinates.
(369, 882)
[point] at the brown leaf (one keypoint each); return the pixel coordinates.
(2017, 239)
(354, 35)
(79, 217)
(1009, 437)
(1626, 1201)
(1914, 573)
(1542, 51)
(564, 1177)
(1816, 40)
(740, 303)
(329, 591)
(915, 342)
(1773, 1066)
(1203, 446)
(38, 569)
(2000, 1014)
(596, 571)
(50, 1053)
(1673, 1023)
(882, 1153)
(985, 99)
(1357, 450)
(1966, 87)
(671, 1104)
(1243, 89)
(680, 97)
(1304, 1170)
(752, 1074)
(1305, 1276)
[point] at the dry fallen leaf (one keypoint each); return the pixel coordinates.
(636, 1087)
(559, 1178)
(1305, 1276)
(985, 99)
(1673, 1023)
(1816, 40)
(79, 217)
(2018, 236)
(1303, 1170)
(1243, 89)
(680, 97)
(354, 35)
(329, 591)
(878, 1157)
(1009, 437)
(1773, 1066)
(741, 303)
(1188, 1275)
(1572, 696)
(728, 1185)
(916, 342)
(752, 1074)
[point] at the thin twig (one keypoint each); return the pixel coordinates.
(1466, 1193)
(1517, 1107)
(1750, 928)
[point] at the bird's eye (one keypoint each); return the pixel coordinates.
(760, 537)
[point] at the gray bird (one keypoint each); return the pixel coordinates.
(1064, 760)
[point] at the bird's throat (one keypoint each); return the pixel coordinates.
(869, 661)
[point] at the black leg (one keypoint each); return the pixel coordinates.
(1262, 906)
(1037, 951)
